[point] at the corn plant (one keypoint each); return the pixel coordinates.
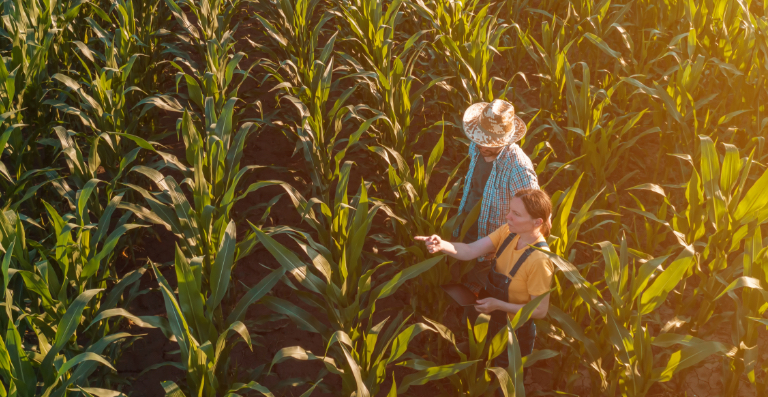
(18, 183)
(415, 213)
(388, 69)
(57, 280)
(215, 154)
(601, 140)
(718, 199)
(111, 85)
(469, 40)
(197, 321)
(565, 229)
(339, 283)
(551, 57)
(290, 25)
(212, 37)
(33, 34)
(619, 336)
(476, 379)
(207, 250)
(28, 37)
(317, 130)
(22, 372)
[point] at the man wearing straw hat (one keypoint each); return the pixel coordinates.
(498, 168)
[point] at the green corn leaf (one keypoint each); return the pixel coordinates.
(354, 366)
(584, 288)
(272, 31)
(194, 91)
(87, 356)
(176, 319)
(680, 236)
(710, 173)
(23, 373)
(393, 390)
(224, 123)
(236, 150)
(85, 193)
(6, 263)
(669, 339)
(298, 353)
(729, 175)
(623, 342)
(754, 201)
(656, 294)
(259, 388)
(139, 141)
(600, 43)
(434, 373)
(64, 331)
(524, 314)
(505, 381)
(446, 334)
(172, 389)
(498, 344)
(88, 367)
(116, 291)
(184, 213)
(105, 220)
(744, 281)
(573, 329)
(290, 262)
(644, 274)
(613, 269)
(687, 357)
(109, 245)
(98, 392)
(515, 367)
(400, 343)
(254, 294)
(395, 282)
(222, 267)
(240, 329)
(301, 317)
(538, 355)
(141, 321)
(560, 221)
(191, 137)
(191, 298)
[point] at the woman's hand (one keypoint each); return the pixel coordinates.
(488, 305)
(434, 243)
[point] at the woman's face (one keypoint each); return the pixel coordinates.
(519, 220)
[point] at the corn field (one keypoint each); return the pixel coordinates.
(219, 197)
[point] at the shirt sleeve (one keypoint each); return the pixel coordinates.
(540, 276)
(523, 175)
(498, 236)
(529, 179)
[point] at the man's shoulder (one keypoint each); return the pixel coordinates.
(514, 156)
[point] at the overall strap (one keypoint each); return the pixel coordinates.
(525, 256)
(505, 243)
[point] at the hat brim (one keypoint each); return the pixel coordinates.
(474, 131)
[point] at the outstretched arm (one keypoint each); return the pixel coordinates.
(488, 305)
(459, 251)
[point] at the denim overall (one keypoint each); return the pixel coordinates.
(497, 286)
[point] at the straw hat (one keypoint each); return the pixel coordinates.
(493, 124)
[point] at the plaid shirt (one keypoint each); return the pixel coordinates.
(512, 171)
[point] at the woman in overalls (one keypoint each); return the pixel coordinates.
(520, 273)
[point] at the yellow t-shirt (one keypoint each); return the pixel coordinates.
(534, 277)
